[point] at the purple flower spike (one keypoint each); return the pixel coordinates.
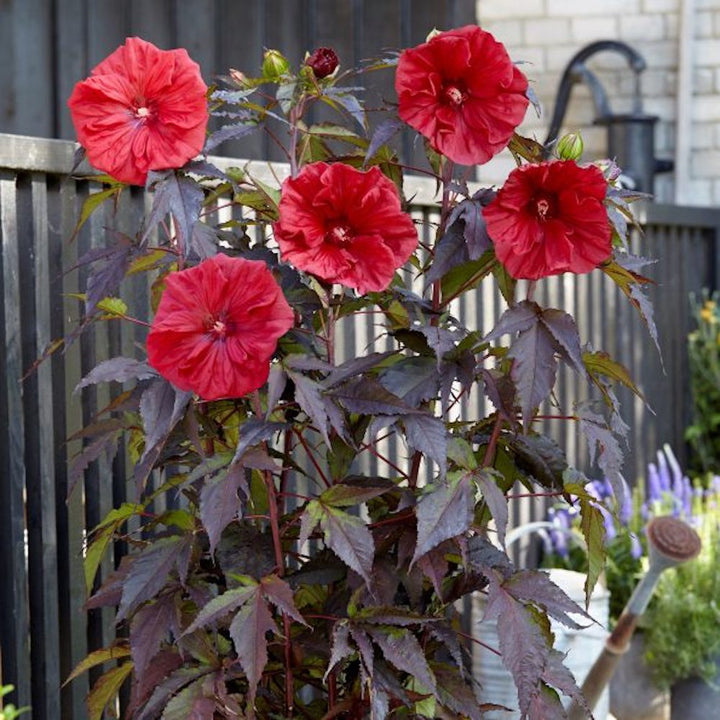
(626, 509)
(636, 549)
(654, 487)
(677, 474)
(663, 472)
(610, 529)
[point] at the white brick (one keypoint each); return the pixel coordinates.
(602, 8)
(703, 4)
(706, 108)
(653, 83)
(707, 52)
(585, 30)
(665, 139)
(532, 61)
(717, 23)
(558, 56)
(705, 164)
(717, 135)
(716, 192)
(717, 80)
(699, 192)
(508, 32)
(642, 27)
(662, 54)
(672, 23)
(703, 81)
(704, 24)
(703, 136)
(662, 107)
(660, 5)
(507, 9)
(547, 31)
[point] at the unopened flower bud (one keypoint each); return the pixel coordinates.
(432, 34)
(238, 77)
(274, 65)
(323, 61)
(570, 147)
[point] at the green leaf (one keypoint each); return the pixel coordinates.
(592, 527)
(106, 689)
(467, 276)
(600, 363)
(93, 201)
(342, 495)
(98, 657)
(115, 307)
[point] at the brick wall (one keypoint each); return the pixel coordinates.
(546, 33)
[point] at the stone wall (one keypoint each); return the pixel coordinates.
(546, 33)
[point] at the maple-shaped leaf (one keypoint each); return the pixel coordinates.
(412, 379)
(535, 586)
(495, 499)
(190, 703)
(341, 647)
(516, 319)
(468, 215)
(148, 629)
(500, 390)
(427, 434)
(383, 133)
(366, 396)
(365, 648)
(450, 251)
(150, 570)
(442, 513)
(253, 432)
(349, 538)
(525, 644)
(248, 631)
(400, 647)
(220, 502)
(280, 594)
(163, 665)
(540, 457)
(118, 369)
(604, 447)
(233, 131)
(456, 693)
(166, 689)
(562, 327)
(484, 557)
(321, 409)
(109, 267)
(221, 606)
(355, 490)
(177, 195)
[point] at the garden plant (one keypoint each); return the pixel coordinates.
(283, 579)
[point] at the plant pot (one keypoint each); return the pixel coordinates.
(694, 699)
(633, 694)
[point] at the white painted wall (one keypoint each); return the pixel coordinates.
(546, 33)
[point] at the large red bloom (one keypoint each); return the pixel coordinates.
(344, 226)
(549, 219)
(141, 109)
(463, 93)
(217, 327)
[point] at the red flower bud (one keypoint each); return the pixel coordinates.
(323, 62)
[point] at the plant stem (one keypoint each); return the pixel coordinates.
(489, 458)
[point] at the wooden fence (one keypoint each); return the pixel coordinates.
(44, 630)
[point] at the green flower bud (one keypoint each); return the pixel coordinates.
(434, 32)
(570, 147)
(275, 65)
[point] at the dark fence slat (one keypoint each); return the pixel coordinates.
(15, 618)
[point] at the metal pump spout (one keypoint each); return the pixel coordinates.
(631, 136)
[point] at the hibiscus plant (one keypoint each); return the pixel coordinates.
(283, 580)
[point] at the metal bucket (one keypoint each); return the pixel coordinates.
(494, 682)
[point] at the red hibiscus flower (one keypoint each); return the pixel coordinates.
(141, 109)
(549, 219)
(462, 92)
(344, 226)
(217, 327)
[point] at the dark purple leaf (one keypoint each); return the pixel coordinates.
(248, 631)
(280, 594)
(355, 367)
(203, 242)
(605, 448)
(645, 308)
(347, 495)
(350, 539)
(340, 646)
(179, 196)
(161, 407)
(427, 434)
(541, 457)
(347, 101)
(534, 369)
(450, 251)
(448, 636)
(164, 663)
(149, 627)
(384, 132)
(150, 570)
(443, 513)
(456, 693)
(104, 281)
(169, 687)
(468, 216)
(484, 557)
(221, 606)
(367, 652)
(203, 168)
(220, 503)
(118, 369)
(435, 567)
(229, 132)
(519, 318)
(367, 396)
(535, 586)
(320, 409)
(500, 390)
(562, 327)
(401, 648)
(253, 432)
(494, 498)
(107, 444)
(277, 381)
(525, 644)
(190, 703)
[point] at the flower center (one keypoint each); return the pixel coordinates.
(142, 112)
(454, 95)
(544, 207)
(340, 235)
(218, 328)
